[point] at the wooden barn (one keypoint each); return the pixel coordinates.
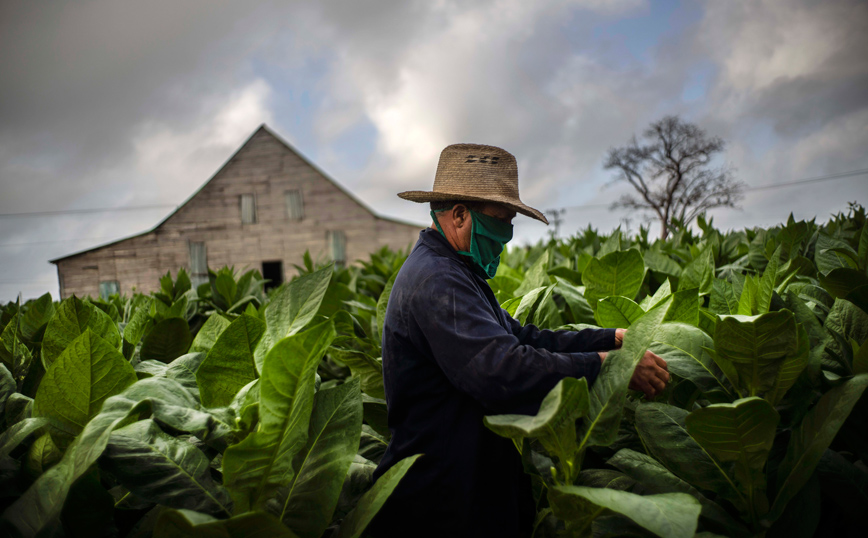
(263, 209)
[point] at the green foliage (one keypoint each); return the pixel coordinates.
(224, 410)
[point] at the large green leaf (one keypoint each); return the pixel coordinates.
(15, 434)
(260, 464)
(184, 369)
(672, 515)
(685, 307)
(140, 322)
(536, 276)
(164, 470)
(817, 335)
(7, 386)
(40, 506)
(383, 303)
(14, 354)
(368, 369)
(685, 350)
(661, 263)
(766, 286)
(740, 432)
(699, 273)
(71, 319)
(828, 257)
(790, 369)
(307, 503)
(849, 321)
(190, 524)
(650, 301)
(617, 273)
(36, 318)
(42, 454)
(87, 372)
(208, 334)
(167, 340)
(547, 314)
(554, 425)
(230, 364)
(723, 299)
(176, 409)
(653, 476)
(527, 306)
(617, 312)
(748, 298)
(610, 389)
(813, 436)
(358, 519)
(756, 347)
(296, 303)
(579, 309)
(664, 434)
(612, 244)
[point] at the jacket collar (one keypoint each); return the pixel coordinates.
(434, 240)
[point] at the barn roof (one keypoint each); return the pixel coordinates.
(262, 128)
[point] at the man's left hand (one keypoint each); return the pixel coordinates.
(619, 337)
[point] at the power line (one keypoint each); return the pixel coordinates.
(79, 211)
(809, 180)
(829, 177)
(55, 241)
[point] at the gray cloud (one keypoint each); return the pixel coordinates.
(108, 103)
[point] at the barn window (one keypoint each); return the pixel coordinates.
(272, 271)
(294, 205)
(108, 288)
(198, 263)
(248, 208)
(337, 242)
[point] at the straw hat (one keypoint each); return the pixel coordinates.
(474, 172)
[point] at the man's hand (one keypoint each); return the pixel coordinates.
(619, 337)
(651, 375)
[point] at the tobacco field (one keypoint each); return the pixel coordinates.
(224, 410)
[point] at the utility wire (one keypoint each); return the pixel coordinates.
(585, 206)
(810, 180)
(55, 241)
(93, 210)
(841, 175)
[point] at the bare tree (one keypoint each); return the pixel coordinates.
(672, 173)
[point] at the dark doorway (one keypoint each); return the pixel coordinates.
(272, 271)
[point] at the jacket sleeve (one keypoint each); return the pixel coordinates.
(479, 356)
(563, 341)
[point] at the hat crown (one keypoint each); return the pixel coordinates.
(477, 170)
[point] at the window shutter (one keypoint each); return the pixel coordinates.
(337, 241)
(198, 263)
(248, 209)
(108, 288)
(294, 205)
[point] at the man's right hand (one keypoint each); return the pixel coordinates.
(651, 375)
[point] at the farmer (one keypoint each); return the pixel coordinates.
(451, 356)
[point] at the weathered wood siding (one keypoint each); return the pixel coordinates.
(267, 168)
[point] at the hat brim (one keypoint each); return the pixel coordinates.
(431, 196)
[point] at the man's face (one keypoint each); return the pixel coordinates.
(498, 211)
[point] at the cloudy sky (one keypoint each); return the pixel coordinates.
(107, 104)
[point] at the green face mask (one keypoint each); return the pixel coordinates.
(488, 236)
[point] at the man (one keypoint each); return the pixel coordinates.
(451, 356)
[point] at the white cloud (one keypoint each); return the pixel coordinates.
(178, 157)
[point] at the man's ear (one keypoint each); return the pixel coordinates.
(460, 215)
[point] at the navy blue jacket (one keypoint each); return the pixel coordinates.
(451, 356)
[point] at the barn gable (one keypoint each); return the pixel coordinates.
(266, 205)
